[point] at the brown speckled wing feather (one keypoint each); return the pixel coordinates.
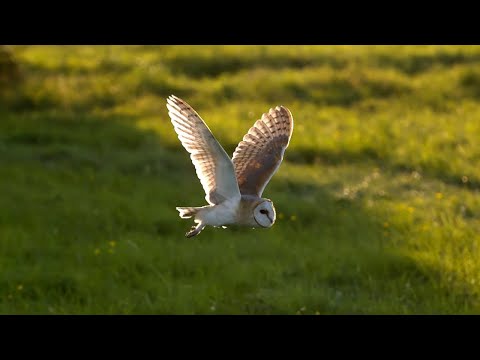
(259, 155)
(213, 166)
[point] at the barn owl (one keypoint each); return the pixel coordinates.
(233, 187)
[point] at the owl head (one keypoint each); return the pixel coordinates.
(264, 213)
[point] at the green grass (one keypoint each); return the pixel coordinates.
(377, 199)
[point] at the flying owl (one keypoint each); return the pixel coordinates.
(233, 187)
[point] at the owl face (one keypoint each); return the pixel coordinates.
(264, 214)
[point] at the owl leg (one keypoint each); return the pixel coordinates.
(195, 230)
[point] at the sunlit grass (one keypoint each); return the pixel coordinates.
(377, 200)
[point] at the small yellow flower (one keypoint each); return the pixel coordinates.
(439, 195)
(293, 217)
(410, 209)
(97, 251)
(20, 287)
(386, 224)
(317, 312)
(281, 216)
(112, 243)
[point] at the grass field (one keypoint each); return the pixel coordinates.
(377, 199)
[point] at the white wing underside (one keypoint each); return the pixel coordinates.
(213, 166)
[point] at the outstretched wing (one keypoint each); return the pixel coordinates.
(259, 155)
(212, 164)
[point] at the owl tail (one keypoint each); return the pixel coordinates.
(187, 212)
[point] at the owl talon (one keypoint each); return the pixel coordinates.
(190, 233)
(195, 230)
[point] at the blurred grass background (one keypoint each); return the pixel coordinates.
(377, 199)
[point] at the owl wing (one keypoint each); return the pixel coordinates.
(212, 164)
(259, 155)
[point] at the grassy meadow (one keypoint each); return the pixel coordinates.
(377, 199)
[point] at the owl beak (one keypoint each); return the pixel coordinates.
(269, 218)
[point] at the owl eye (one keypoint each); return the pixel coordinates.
(263, 211)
